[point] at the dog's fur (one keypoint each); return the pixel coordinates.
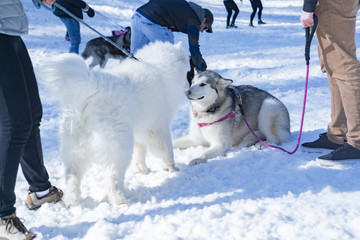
(100, 50)
(109, 118)
(212, 98)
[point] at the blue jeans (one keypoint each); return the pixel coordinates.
(144, 31)
(73, 29)
(20, 116)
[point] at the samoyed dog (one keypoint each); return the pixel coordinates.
(114, 116)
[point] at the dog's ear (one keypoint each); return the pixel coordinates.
(223, 83)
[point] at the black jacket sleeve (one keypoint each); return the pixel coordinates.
(309, 5)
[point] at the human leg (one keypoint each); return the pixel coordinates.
(254, 8)
(73, 29)
(229, 11)
(138, 39)
(236, 12)
(337, 49)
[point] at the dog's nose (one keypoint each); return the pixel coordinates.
(188, 93)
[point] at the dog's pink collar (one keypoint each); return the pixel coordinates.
(229, 115)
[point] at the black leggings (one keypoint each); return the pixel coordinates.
(255, 4)
(231, 5)
(20, 116)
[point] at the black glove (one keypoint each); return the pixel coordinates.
(90, 12)
(190, 74)
(199, 62)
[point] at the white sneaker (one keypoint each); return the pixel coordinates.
(11, 228)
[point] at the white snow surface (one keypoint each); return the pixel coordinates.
(246, 194)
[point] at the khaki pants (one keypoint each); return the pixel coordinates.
(337, 52)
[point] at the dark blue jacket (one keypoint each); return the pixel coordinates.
(73, 6)
(178, 16)
(309, 5)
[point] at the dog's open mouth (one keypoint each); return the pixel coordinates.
(193, 99)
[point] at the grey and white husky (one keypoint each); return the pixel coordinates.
(217, 121)
(100, 50)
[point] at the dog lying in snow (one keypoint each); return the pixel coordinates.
(112, 117)
(217, 122)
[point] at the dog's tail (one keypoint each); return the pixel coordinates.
(66, 72)
(86, 53)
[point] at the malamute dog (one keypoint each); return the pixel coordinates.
(217, 122)
(100, 50)
(110, 117)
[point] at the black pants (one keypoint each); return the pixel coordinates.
(20, 116)
(230, 6)
(255, 4)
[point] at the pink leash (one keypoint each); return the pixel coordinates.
(301, 125)
(309, 35)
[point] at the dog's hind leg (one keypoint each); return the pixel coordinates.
(274, 121)
(118, 155)
(160, 143)
(139, 158)
(75, 166)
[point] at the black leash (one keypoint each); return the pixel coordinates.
(309, 36)
(38, 4)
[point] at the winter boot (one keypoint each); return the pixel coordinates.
(11, 228)
(251, 25)
(261, 22)
(233, 25)
(33, 202)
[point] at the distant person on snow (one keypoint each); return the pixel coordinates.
(256, 4)
(157, 19)
(75, 7)
(231, 6)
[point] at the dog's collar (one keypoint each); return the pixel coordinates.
(229, 115)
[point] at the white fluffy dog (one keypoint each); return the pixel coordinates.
(112, 117)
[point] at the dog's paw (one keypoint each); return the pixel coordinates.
(70, 199)
(143, 170)
(197, 161)
(118, 198)
(260, 146)
(171, 168)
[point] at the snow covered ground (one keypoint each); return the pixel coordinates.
(247, 194)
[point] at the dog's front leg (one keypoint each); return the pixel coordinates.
(212, 152)
(193, 139)
(139, 158)
(160, 143)
(219, 139)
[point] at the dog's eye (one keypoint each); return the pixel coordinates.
(202, 84)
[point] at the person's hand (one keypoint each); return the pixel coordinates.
(48, 2)
(199, 62)
(307, 19)
(89, 11)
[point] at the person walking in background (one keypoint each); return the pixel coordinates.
(256, 4)
(230, 6)
(20, 116)
(75, 7)
(337, 54)
(157, 19)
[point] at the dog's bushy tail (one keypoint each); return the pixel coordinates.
(86, 53)
(65, 72)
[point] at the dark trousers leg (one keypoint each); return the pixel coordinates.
(254, 7)
(20, 116)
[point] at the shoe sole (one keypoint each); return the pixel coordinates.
(316, 150)
(325, 162)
